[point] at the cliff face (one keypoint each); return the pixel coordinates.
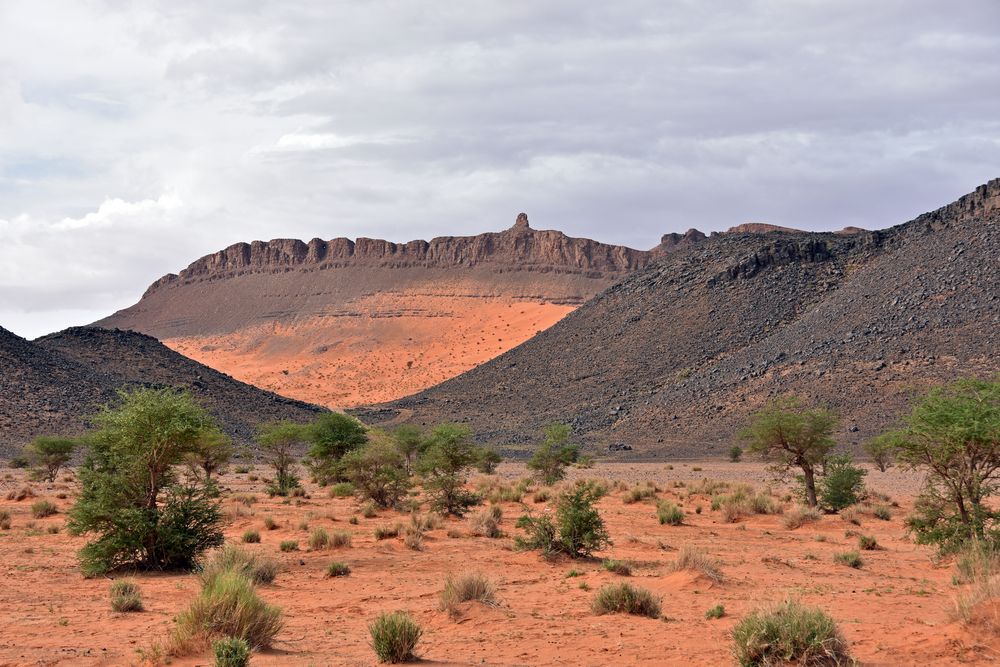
(344, 322)
(674, 357)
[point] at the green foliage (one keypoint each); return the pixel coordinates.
(231, 652)
(228, 606)
(488, 460)
(255, 566)
(341, 490)
(43, 508)
(211, 454)
(378, 472)
(867, 543)
(735, 453)
(47, 454)
(130, 496)
(882, 449)
(953, 436)
(554, 453)
(444, 466)
(789, 634)
(849, 558)
(718, 611)
(288, 545)
(619, 567)
(251, 537)
(670, 514)
(410, 442)
(578, 530)
(331, 437)
(279, 443)
(125, 596)
(843, 484)
(791, 436)
(394, 636)
(625, 599)
(337, 569)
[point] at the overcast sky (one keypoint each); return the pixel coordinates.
(138, 136)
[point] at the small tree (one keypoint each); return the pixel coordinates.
(882, 450)
(445, 465)
(212, 453)
(279, 444)
(735, 453)
(378, 471)
(554, 453)
(48, 454)
(792, 437)
(330, 437)
(578, 530)
(410, 442)
(130, 492)
(953, 435)
(488, 461)
(843, 483)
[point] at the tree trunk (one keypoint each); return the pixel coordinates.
(810, 482)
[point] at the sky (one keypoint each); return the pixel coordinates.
(138, 136)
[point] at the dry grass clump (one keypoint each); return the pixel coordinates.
(542, 496)
(800, 516)
(23, 493)
(337, 569)
(625, 599)
(43, 508)
(251, 537)
(669, 514)
(369, 510)
(125, 596)
(394, 636)
(228, 606)
(428, 521)
(486, 522)
(707, 487)
(255, 566)
(695, 560)
(867, 543)
(639, 493)
(340, 538)
(470, 586)
(319, 540)
(849, 558)
(789, 633)
(744, 501)
(270, 523)
(505, 494)
(288, 545)
(621, 567)
(413, 538)
(388, 532)
(882, 512)
(247, 499)
(851, 515)
(4, 520)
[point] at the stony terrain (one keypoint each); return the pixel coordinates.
(51, 385)
(895, 610)
(674, 357)
(344, 323)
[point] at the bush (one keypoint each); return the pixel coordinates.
(231, 652)
(341, 490)
(882, 512)
(445, 465)
(256, 567)
(413, 538)
(718, 611)
(799, 517)
(42, 509)
(789, 633)
(228, 606)
(251, 537)
(625, 599)
(125, 596)
(471, 586)
(340, 538)
(332, 437)
(619, 567)
(161, 523)
(4, 520)
(394, 636)
(735, 453)
(849, 558)
(270, 523)
(882, 450)
(577, 532)
(23, 493)
(387, 532)
(843, 484)
(369, 510)
(337, 569)
(47, 455)
(553, 455)
(288, 545)
(486, 522)
(670, 514)
(867, 543)
(378, 472)
(695, 560)
(638, 493)
(541, 496)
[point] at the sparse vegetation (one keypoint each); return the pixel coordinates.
(843, 483)
(789, 633)
(444, 466)
(669, 514)
(126, 596)
(718, 611)
(377, 472)
(470, 586)
(288, 545)
(337, 569)
(735, 454)
(577, 532)
(270, 523)
(43, 508)
(486, 522)
(394, 637)
(387, 532)
(867, 543)
(799, 517)
(279, 442)
(638, 493)
(554, 454)
(625, 599)
(4, 520)
(695, 560)
(47, 455)
(251, 537)
(341, 490)
(255, 566)
(849, 558)
(319, 539)
(413, 538)
(882, 450)
(231, 652)
(618, 567)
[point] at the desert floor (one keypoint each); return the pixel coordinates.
(895, 610)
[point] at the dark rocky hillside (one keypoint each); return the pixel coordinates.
(52, 384)
(673, 358)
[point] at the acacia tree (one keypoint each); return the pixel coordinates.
(790, 436)
(280, 443)
(130, 493)
(953, 435)
(47, 454)
(882, 449)
(554, 453)
(330, 437)
(210, 456)
(378, 471)
(445, 464)
(410, 442)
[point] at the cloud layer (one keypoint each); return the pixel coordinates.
(137, 136)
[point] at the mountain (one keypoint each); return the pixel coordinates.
(674, 357)
(53, 384)
(344, 322)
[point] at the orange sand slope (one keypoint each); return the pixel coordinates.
(895, 610)
(392, 345)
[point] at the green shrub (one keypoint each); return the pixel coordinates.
(47, 455)
(270, 523)
(126, 596)
(378, 473)
(843, 484)
(735, 453)
(471, 586)
(320, 539)
(228, 606)
(670, 514)
(231, 652)
(620, 567)
(353, 521)
(332, 437)
(718, 611)
(578, 530)
(849, 558)
(251, 537)
(257, 567)
(625, 599)
(279, 443)
(288, 545)
(43, 508)
(337, 569)
(882, 512)
(444, 466)
(369, 510)
(554, 454)
(394, 636)
(341, 490)
(161, 524)
(867, 543)
(789, 633)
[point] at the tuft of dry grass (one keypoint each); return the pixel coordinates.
(413, 538)
(486, 522)
(257, 567)
(125, 596)
(388, 532)
(800, 516)
(789, 634)
(470, 586)
(625, 599)
(695, 560)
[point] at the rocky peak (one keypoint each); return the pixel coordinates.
(521, 222)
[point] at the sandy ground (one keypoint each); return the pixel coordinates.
(394, 345)
(895, 610)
